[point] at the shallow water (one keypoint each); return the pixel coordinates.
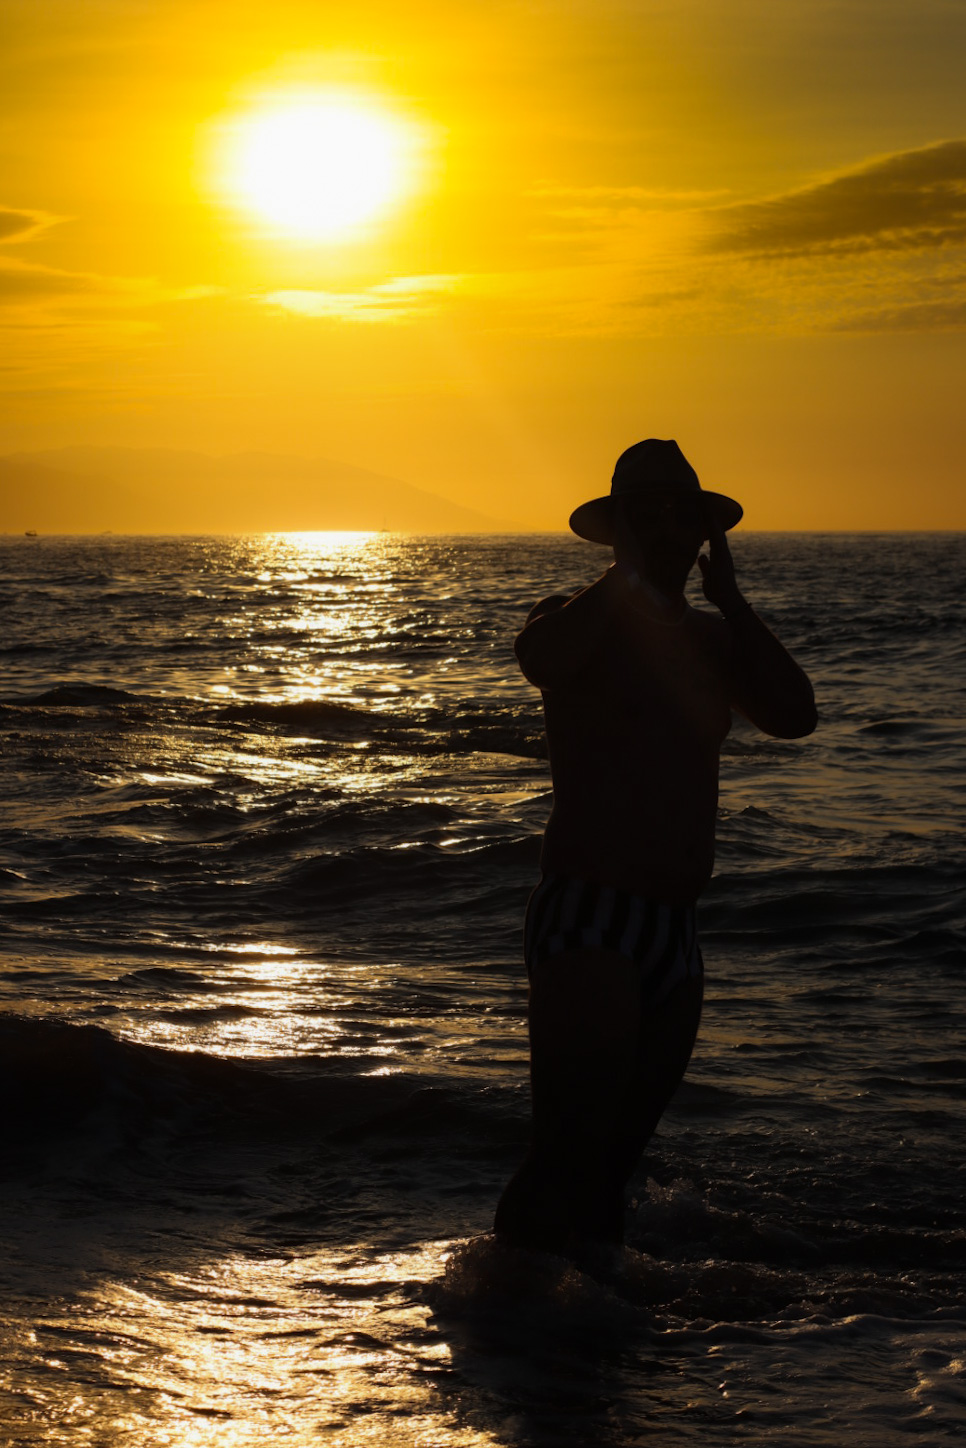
(269, 817)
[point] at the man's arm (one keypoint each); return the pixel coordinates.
(767, 685)
(561, 635)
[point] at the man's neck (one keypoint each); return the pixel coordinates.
(651, 598)
(665, 606)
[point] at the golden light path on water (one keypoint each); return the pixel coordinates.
(335, 593)
(288, 1009)
(334, 602)
(215, 1348)
(186, 1333)
(244, 1350)
(204, 1252)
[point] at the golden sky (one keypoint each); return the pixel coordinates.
(739, 223)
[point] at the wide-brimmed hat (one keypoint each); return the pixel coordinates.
(655, 469)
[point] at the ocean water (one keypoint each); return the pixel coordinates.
(269, 814)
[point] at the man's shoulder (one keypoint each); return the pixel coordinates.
(550, 604)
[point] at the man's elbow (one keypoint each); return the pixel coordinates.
(794, 723)
(783, 716)
(528, 658)
(809, 721)
(543, 664)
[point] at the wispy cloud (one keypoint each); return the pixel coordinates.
(909, 201)
(25, 283)
(19, 225)
(394, 300)
(623, 195)
(943, 315)
(892, 228)
(22, 282)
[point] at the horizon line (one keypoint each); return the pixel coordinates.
(36, 535)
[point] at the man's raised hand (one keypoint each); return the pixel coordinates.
(718, 570)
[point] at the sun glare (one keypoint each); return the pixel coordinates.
(320, 166)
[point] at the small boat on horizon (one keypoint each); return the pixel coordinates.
(31, 533)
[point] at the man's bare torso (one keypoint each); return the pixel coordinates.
(634, 741)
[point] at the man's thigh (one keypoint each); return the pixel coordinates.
(583, 1002)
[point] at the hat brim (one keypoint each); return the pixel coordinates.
(595, 520)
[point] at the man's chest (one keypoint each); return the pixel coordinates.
(655, 688)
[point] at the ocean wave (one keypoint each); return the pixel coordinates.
(305, 715)
(56, 1076)
(815, 898)
(420, 870)
(176, 980)
(620, 1293)
(431, 732)
(505, 729)
(29, 646)
(81, 1086)
(79, 696)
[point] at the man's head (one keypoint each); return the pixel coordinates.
(656, 510)
(660, 534)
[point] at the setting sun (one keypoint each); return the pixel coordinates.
(320, 166)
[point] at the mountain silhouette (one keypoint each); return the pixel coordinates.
(162, 490)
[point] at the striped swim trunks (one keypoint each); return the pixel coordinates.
(568, 914)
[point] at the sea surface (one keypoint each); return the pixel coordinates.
(270, 812)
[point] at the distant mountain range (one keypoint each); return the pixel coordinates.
(161, 490)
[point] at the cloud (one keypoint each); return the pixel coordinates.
(22, 282)
(621, 195)
(947, 315)
(910, 201)
(394, 300)
(26, 282)
(17, 225)
(202, 292)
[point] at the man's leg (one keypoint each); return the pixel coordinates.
(603, 1069)
(585, 1012)
(666, 1040)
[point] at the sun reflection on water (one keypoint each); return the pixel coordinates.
(244, 1348)
(268, 1004)
(329, 632)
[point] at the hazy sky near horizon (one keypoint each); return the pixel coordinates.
(740, 223)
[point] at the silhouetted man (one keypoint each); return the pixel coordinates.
(638, 688)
